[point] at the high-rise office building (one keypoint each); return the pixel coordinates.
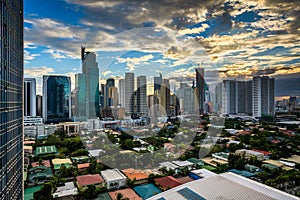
(218, 98)
(157, 82)
(142, 96)
(237, 97)
(39, 105)
(200, 85)
(87, 86)
(166, 84)
(113, 96)
(29, 97)
(153, 106)
(129, 93)
(56, 98)
(186, 97)
(11, 112)
(108, 100)
(102, 95)
(263, 96)
(122, 92)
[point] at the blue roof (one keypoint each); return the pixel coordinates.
(242, 172)
(146, 190)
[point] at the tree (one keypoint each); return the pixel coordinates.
(90, 192)
(44, 193)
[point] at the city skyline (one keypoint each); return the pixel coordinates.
(239, 38)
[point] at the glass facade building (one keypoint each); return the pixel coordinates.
(56, 99)
(29, 97)
(87, 87)
(11, 99)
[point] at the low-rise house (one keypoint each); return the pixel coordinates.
(167, 182)
(58, 162)
(39, 175)
(249, 153)
(68, 191)
(27, 150)
(91, 179)
(196, 161)
(201, 173)
(127, 193)
(182, 164)
(168, 165)
(220, 156)
(266, 153)
(45, 150)
(169, 147)
(138, 175)
(45, 163)
(114, 178)
(83, 166)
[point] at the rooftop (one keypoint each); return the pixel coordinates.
(59, 161)
(89, 179)
(167, 182)
(294, 159)
(168, 165)
(133, 173)
(45, 163)
(203, 173)
(112, 174)
(67, 190)
(83, 166)
(232, 187)
(45, 150)
(195, 161)
(182, 163)
(126, 193)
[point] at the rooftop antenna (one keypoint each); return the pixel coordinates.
(82, 52)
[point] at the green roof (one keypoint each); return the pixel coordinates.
(45, 150)
(39, 172)
(208, 167)
(28, 192)
(270, 166)
(57, 166)
(195, 161)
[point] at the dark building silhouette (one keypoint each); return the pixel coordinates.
(11, 103)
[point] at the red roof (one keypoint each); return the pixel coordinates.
(185, 179)
(126, 193)
(84, 165)
(45, 163)
(263, 152)
(167, 182)
(89, 179)
(137, 174)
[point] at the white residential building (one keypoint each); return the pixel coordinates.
(113, 178)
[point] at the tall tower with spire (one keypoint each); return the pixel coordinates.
(87, 86)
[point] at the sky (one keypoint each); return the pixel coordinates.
(230, 39)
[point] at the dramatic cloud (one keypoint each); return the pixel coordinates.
(132, 62)
(38, 71)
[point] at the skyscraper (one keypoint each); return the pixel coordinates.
(237, 97)
(11, 112)
(87, 86)
(157, 82)
(129, 93)
(29, 97)
(263, 96)
(122, 92)
(108, 100)
(39, 105)
(56, 98)
(200, 85)
(142, 96)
